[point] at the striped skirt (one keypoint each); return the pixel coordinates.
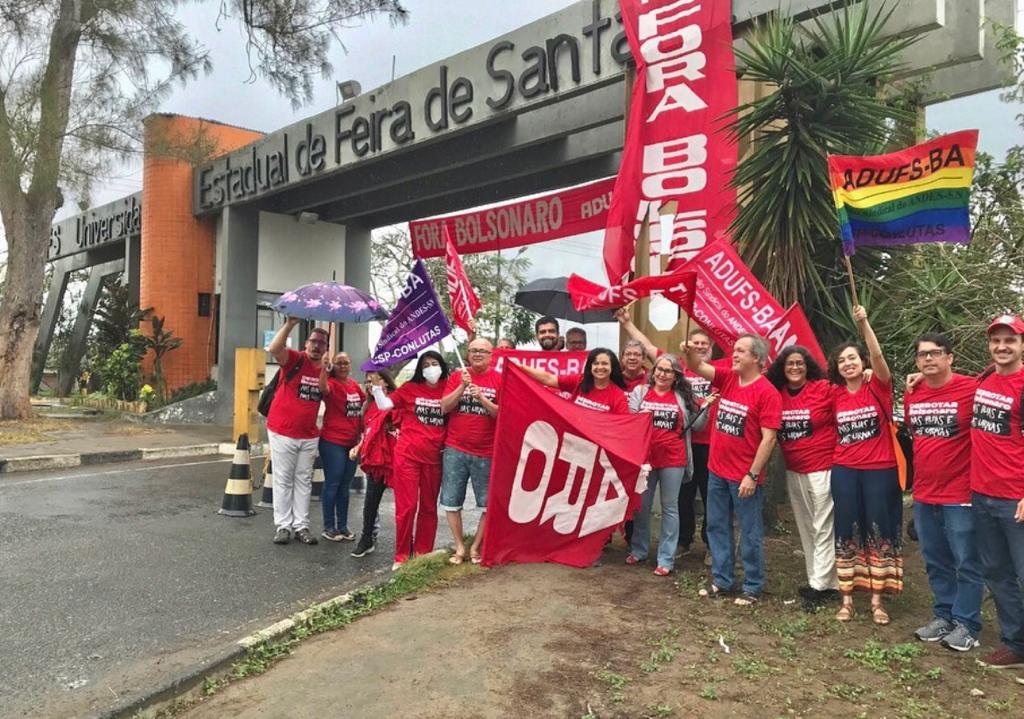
(868, 529)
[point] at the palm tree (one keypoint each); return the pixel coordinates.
(161, 342)
(830, 97)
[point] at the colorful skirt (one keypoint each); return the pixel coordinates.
(868, 529)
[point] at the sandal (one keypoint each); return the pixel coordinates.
(662, 571)
(714, 592)
(879, 615)
(475, 558)
(746, 600)
(457, 558)
(845, 613)
(632, 561)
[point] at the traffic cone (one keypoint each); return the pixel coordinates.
(267, 499)
(238, 491)
(318, 479)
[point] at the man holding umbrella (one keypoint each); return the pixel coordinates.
(291, 427)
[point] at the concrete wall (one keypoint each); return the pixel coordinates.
(293, 253)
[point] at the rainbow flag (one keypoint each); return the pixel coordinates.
(915, 195)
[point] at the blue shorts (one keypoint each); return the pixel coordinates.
(458, 469)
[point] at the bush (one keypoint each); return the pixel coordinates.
(192, 390)
(122, 373)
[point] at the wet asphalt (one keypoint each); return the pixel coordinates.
(112, 577)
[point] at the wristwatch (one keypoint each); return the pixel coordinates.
(752, 476)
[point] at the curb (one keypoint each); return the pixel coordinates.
(66, 461)
(193, 678)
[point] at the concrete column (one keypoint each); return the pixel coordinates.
(238, 244)
(48, 322)
(357, 274)
(132, 267)
(71, 362)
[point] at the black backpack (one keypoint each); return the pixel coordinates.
(267, 395)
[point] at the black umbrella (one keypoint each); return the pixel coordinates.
(548, 296)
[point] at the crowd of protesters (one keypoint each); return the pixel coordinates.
(715, 426)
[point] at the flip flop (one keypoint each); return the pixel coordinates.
(457, 559)
(475, 559)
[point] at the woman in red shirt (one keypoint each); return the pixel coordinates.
(342, 426)
(375, 453)
(416, 477)
(601, 387)
(808, 439)
(865, 481)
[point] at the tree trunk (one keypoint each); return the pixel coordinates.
(28, 236)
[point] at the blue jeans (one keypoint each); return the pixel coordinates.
(338, 473)
(949, 549)
(1001, 549)
(458, 469)
(670, 479)
(723, 501)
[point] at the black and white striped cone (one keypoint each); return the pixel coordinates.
(318, 479)
(238, 491)
(267, 498)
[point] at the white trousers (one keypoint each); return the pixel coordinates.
(293, 479)
(811, 498)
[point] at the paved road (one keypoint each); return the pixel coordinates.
(111, 580)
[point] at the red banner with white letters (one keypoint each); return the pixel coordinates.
(680, 287)
(546, 217)
(677, 147)
(562, 478)
(461, 297)
(562, 364)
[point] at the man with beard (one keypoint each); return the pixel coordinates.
(545, 331)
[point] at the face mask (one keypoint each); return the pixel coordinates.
(432, 374)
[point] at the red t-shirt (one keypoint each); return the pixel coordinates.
(863, 418)
(470, 427)
(997, 445)
(668, 448)
(418, 406)
(808, 433)
(343, 409)
(632, 384)
(296, 403)
(610, 399)
(743, 410)
(940, 423)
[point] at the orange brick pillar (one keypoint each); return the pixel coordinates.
(178, 249)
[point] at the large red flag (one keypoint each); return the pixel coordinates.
(461, 296)
(680, 287)
(562, 477)
(677, 147)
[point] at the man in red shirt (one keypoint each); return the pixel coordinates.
(545, 331)
(997, 483)
(471, 401)
(292, 430)
(938, 413)
(749, 414)
(633, 370)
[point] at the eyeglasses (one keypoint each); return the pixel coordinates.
(795, 365)
(664, 370)
(929, 354)
(479, 352)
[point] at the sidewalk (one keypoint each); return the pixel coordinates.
(66, 442)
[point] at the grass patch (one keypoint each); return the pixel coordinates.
(897, 659)
(753, 668)
(29, 431)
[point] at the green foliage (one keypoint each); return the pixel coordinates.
(160, 341)
(122, 374)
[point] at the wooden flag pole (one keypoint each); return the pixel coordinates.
(853, 282)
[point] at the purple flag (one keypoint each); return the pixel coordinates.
(417, 322)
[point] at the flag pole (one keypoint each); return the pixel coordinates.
(853, 282)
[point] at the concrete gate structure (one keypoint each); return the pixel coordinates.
(534, 110)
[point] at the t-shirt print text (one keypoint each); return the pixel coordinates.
(732, 417)
(857, 425)
(353, 404)
(309, 389)
(934, 419)
(796, 424)
(428, 411)
(992, 412)
(471, 405)
(665, 416)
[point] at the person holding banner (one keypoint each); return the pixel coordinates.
(748, 416)
(808, 440)
(375, 453)
(417, 465)
(471, 405)
(342, 426)
(865, 478)
(668, 399)
(600, 387)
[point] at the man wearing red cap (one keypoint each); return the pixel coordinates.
(997, 484)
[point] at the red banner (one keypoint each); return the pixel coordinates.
(562, 478)
(676, 145)
(680, 287)
(461, 296)
(547, 217)
(563, 364)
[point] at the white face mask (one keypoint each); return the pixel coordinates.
(432, 374)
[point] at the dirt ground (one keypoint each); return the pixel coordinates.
(616, 641)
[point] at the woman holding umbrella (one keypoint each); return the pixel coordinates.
(417, 467)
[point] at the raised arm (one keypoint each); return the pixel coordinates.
(278, 347)
(545, 378)
(325, 373)
(696, 363)
(878, 363)
(626, 322)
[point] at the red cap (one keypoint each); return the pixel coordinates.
(1015, 323)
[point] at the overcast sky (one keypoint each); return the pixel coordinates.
(435, 31)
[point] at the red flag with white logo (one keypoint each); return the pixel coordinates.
(680, 287)
(463, 299)
(563, 477)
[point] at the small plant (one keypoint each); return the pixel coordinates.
(122, 374)
(753, 668)
(616, 683)
(161, 341)
(211, 685)
(148, 395)
(935, 673)
(849, 692)
(660, 710)
(882, 659)
(709, 692)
